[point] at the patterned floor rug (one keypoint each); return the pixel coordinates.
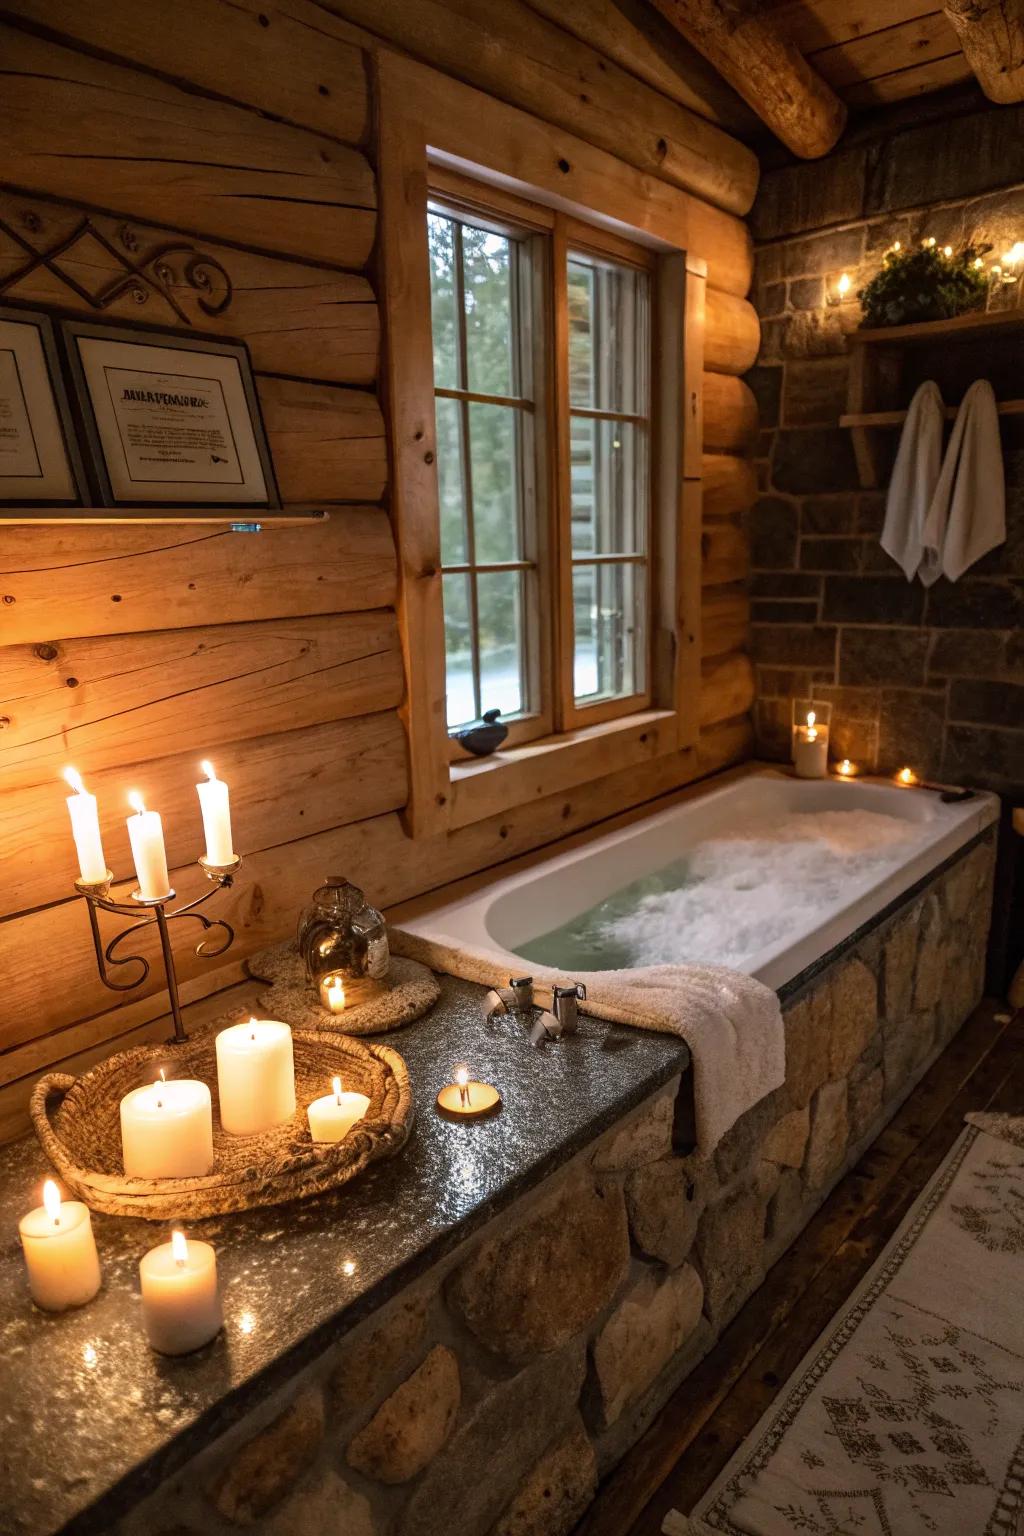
(906, 1418)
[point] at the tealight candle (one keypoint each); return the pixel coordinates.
(466, 1099)
(60, 1252)
(146, 835)
(180, 1302)
(85, 829)
(214, 803)
(255, 1076)
(846, 769)
(332, 993)
(167, 1130)
(906, 776)
(333, 1116)
(810, 749)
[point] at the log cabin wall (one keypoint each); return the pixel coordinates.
(133, 651)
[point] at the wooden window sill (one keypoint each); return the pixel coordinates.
(486, 786)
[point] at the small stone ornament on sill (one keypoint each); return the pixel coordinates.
(340, 935)
(483, 736)
(465, 1099)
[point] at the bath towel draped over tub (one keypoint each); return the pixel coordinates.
(731, 1023)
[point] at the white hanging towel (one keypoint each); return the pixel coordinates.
(967, 517)
(915, 476)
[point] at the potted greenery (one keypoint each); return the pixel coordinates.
(926, 282)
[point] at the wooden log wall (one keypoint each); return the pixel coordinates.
(134, 651)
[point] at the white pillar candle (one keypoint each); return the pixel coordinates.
(810, 750)
(180, 1301)
(333, 1116)
(60, 1252)
(167, 1130)
(255, 1076)
(85, 828)
(215, 806)
(146, 835)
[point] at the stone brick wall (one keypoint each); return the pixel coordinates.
(932, 678)
(489, 1397)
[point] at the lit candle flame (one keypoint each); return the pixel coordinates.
(74, 778)
(179, 1249)
(51, 1200)
(136, 802)
(209, 770)
(846, 769)
(843, 285)
(462, 1076)
(907, 776)
(336, 1085)
(811, 717)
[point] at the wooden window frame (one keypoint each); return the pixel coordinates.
(436, 135)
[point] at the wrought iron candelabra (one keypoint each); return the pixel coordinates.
(155, 911)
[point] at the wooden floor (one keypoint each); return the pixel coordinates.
(719, 1403)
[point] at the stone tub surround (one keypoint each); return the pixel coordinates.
(490, 1394)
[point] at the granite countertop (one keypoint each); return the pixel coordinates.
(91, 1419)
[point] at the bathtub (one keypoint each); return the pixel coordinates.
(511, 914)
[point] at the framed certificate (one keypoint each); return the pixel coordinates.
(171, 421)
(39, 460)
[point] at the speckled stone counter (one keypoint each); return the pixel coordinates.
(91, 1420)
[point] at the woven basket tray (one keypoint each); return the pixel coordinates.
(82, 1136)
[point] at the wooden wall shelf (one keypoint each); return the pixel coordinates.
(72, 517)
(875, 366)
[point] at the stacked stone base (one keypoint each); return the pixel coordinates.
(489, 1399)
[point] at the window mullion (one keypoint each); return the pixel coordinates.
(467, 468)
(563, 616)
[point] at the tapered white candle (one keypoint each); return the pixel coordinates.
(167, 1130)
(216, 809)
(85, 828)
(146, 835)
(60, 1252)
(333, 1116)
(180, 1302)
(255, 1076)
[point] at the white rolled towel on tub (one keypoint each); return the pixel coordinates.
(731, 1023)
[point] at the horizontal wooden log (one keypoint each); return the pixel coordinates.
(193, 163)
(723, 745)
(726, 688)
(732, 333)
(282, 787)
(725, 554)
(725, 621)
(763, 66)
(520, 57)
(295, 319)
(991, 33)
(111, 580)
(729, 485)
(730, 415)
(328, 444)
(285, 57)
(115, 699)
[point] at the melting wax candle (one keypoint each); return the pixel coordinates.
(255, 1076)
(146, 835)
(60, 1252)
(180, 1301)
(167, 1130)
(810, 749)
(466, 1099)
(85, 829)
(333, 1116)
(215, 805)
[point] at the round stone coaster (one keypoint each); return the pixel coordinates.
(412, 990)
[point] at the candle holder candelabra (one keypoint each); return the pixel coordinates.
(155, 912)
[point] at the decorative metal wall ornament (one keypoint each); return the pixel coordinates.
(138, 279)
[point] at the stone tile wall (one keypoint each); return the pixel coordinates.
(490, 1397)
(932, 678)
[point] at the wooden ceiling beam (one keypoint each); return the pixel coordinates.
(764, 68)
(991, 33)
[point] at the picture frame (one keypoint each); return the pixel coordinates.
(40, 463)
(171, 421)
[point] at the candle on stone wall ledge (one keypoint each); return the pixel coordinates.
(60, 1252)
(167, 1130)
(215, 804)
(810, 748)
(85, 829)
(146, 835)
(180, 1301)
(906, 777)
(846, 769)
(255, 1076)
(333, 1116)
(466, 1099)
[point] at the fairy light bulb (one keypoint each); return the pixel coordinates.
(843, 285)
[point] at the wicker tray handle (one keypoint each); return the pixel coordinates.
(52, 1083)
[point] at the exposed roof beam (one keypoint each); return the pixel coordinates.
(991, 34)
(765, 69)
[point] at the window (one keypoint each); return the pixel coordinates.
(543, 408)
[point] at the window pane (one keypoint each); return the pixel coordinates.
(609, 487)
(499, 606)
(449, 481)
(608, 365)
(487, 268)
(443, 312)
(494, 457)
(458, 651)
(608, 609)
